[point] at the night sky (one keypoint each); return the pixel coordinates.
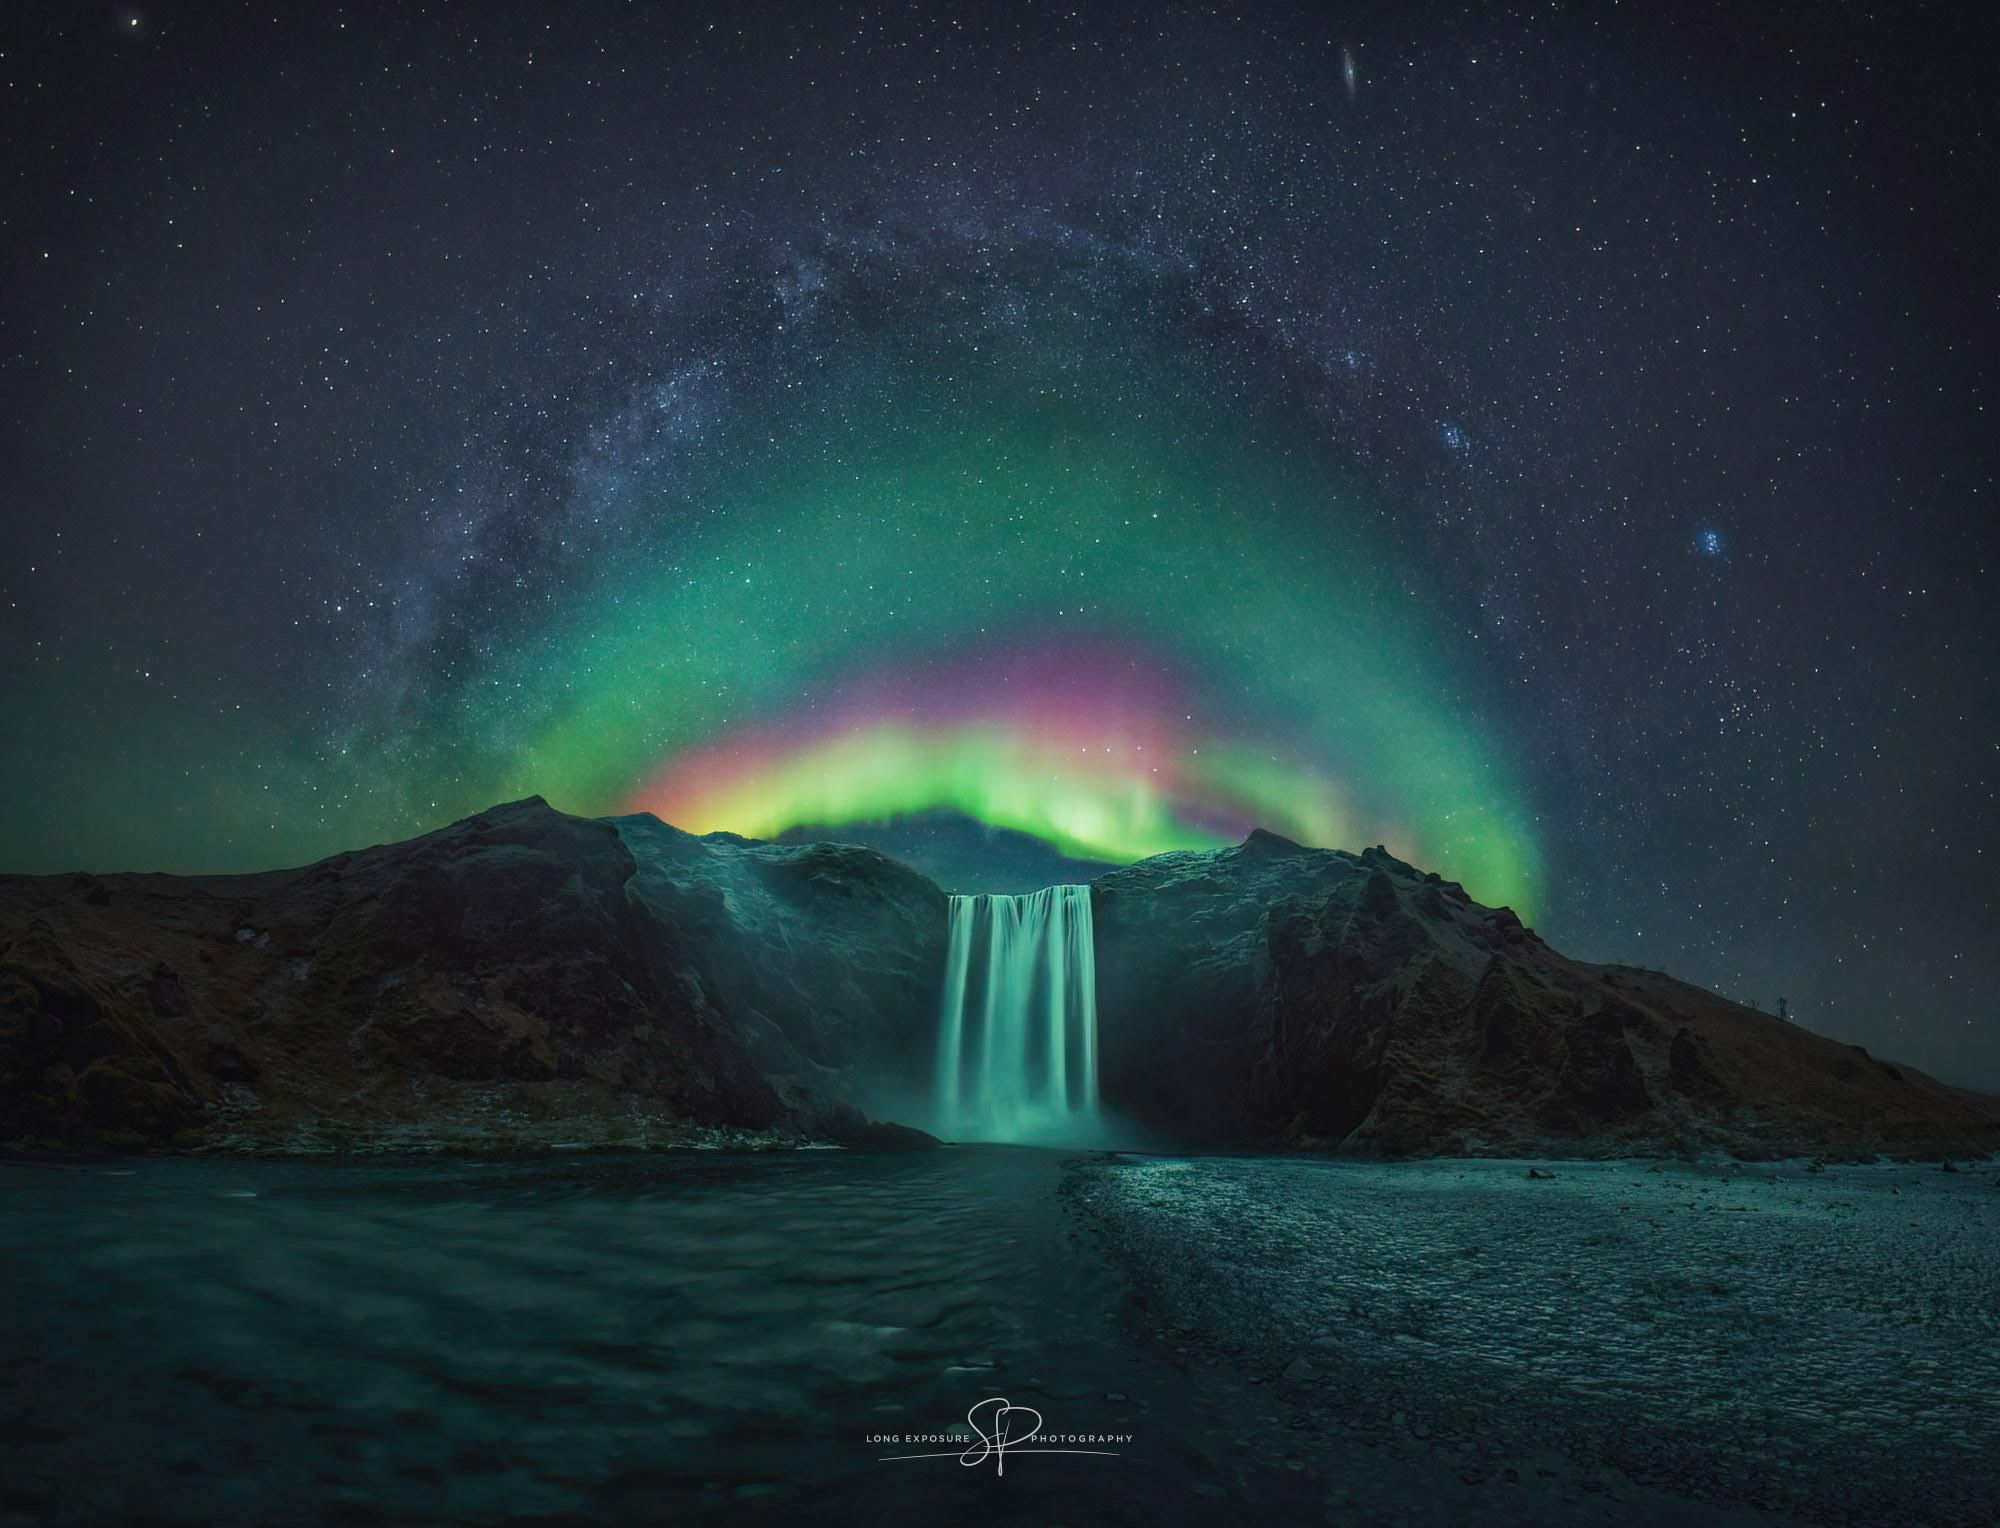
(1552, 442)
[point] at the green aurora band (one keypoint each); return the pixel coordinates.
(1227, 641)
(949, 524)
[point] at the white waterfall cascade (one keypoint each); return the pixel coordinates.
(1017, 1031)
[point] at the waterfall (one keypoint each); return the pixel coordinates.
(1017, 1031)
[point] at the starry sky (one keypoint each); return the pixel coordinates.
(1552, 442)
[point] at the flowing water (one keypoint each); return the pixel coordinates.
(1017, 1028)
(694, 1337)
(689, 1336)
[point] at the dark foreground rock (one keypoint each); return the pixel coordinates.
(1274, 995)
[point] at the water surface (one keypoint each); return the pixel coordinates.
(729, 1337)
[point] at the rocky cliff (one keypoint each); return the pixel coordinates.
(519, 978)
(525, 978)
(1271, 994)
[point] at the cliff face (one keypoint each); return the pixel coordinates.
(525, 978)
(521, 977)
(1276, 995)
(827, 958)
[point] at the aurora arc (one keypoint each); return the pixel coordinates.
(1267, 649)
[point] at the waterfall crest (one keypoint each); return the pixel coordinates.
(1017, 1030)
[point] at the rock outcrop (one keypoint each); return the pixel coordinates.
(1274, 995)
(827, 958)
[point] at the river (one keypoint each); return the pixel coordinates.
(757, 1337)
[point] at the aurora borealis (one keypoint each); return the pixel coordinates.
(1557, 448)
(1122, 641)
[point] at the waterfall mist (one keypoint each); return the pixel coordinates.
(1017, 1029)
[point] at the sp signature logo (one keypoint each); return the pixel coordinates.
(1000, 1428)
(1000, 1425)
